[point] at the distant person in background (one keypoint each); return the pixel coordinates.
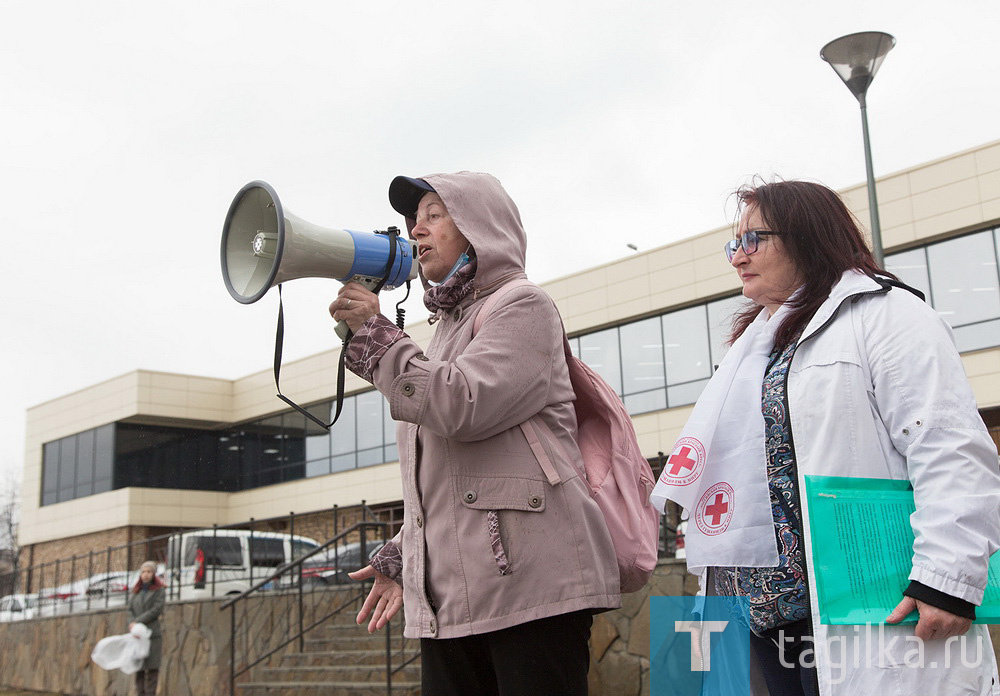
(145, 605)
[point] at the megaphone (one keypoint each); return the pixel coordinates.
(263, 245)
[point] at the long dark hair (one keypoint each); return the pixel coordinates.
(820, 235)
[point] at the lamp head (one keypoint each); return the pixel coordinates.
(857, 57)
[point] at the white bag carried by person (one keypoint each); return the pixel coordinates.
(126, 652)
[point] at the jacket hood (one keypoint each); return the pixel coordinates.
(487, 216)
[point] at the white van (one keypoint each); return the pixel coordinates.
(207, 562)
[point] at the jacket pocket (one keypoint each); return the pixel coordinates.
(499, 497)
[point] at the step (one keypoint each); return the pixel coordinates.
(358, 674)
(329, 688)
(345, 642)
(351, 657)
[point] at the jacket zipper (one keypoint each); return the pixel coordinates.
(795, 458)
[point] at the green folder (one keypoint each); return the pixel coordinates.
(862, 550)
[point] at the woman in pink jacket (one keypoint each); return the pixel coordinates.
(498, 572)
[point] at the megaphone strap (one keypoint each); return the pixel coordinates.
(279, 340)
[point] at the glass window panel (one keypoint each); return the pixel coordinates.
(720, 325)
(293, 433)
(104, 457)
(600, 352)
(271, 435)
(978, 336)
(684, 394)
(369, 405)
(655, 400)
(642, 356)
(389, 430)
(574, 346)
(317, 438)
(911, 268)
(317, 467)
(370, 457)
(685, 336)
(343, 462)
(267, 552)
(343, 438)
(84, 463)
(50, 473)
(964, 279)
(67, 468)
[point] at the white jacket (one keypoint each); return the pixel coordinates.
(877, 389)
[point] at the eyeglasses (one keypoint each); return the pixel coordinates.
(749, 242)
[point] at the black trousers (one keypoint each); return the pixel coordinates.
(786, 671)
(547, 657)
(145, 682)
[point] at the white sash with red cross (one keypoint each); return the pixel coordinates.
(717, 470)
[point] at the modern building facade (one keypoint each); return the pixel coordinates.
(150, 451)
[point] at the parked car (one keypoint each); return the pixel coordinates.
(207, 562)
(99, 590)
(18, 607)
(332, 565)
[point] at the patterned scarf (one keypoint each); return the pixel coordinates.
(451, 292)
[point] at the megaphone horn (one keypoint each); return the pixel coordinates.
(262, 246)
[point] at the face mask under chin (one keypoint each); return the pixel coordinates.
(462, 260)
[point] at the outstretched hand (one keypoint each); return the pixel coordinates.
(383, 602)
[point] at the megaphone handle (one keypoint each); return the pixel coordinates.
(343, 330)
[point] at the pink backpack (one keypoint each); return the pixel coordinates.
(619, 477)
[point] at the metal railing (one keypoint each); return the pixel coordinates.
(101, 577)
(296, 606)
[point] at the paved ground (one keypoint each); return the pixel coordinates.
(7, 692)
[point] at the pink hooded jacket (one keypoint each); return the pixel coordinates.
(487, 543)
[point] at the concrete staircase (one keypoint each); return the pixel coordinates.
(339, 659)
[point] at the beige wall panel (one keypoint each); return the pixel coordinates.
(890, 189)
(709, 245)
(991, 211)
(945, 199)
(895, 214)
(673, 277)
(983, 362)
(988, 159)
(678, 254)
(586, 302)
(586, 321)
(943, 172)
(627, 288)
(964, 218)
(586, 281)
(626, 310)
(897, 236)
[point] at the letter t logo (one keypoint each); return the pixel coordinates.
(695, 628)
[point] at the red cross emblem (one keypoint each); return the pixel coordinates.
(715, 509)
(685, 463)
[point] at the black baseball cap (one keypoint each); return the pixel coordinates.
(405, 194)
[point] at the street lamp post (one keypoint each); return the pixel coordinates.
(856, 58)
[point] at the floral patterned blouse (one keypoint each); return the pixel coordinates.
(776, 596)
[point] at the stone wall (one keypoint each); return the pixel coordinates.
(619, 640)
(53, 654)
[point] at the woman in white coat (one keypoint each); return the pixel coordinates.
(853, 375)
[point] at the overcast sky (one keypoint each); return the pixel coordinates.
(127, 128)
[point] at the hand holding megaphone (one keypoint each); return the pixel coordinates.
(263, 246)
(355, 304)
